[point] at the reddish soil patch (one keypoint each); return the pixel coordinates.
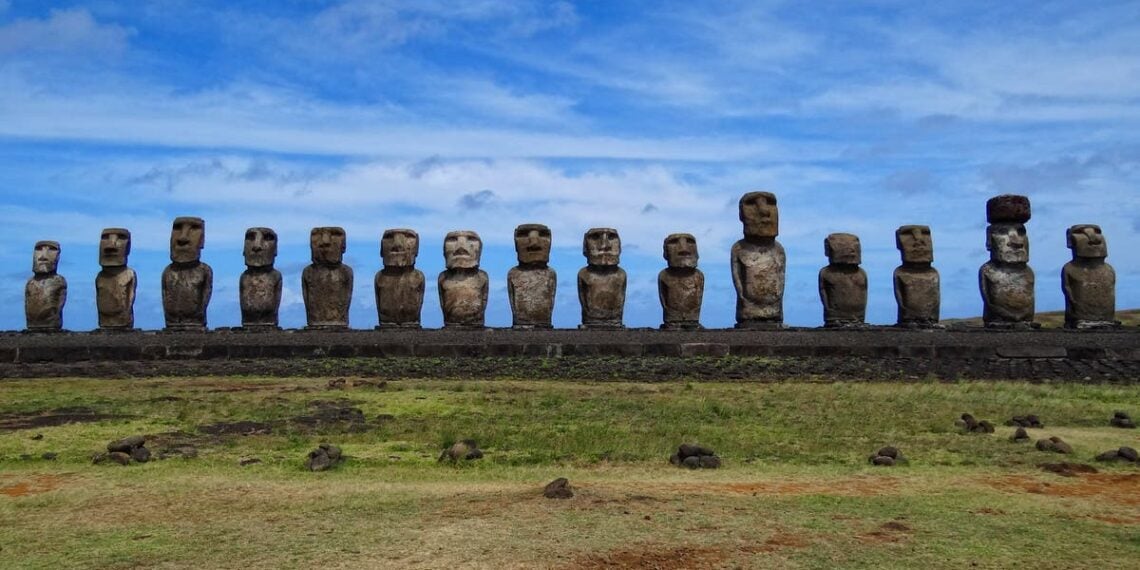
(52, 418)
(1120, 489)
(1116, 520)
(1067, 469)
(658, 557)
(34, 486)
(989, 511)
(781, 540)
(855, 487)
(893, 531)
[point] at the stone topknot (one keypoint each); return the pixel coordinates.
(1009, 208)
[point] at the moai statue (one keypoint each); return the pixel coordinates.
(1006, 281)
(260, 284)
(1088, 282)
(326, 284)
(758, 264)
(399, 285)
(681, 286)
(116, 283)
(46, 292)
(463, 286)
(917, 286)
(531, 284)
(601, 284)
(842, 283)
(187, 282)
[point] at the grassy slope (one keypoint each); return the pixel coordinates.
(796, 490)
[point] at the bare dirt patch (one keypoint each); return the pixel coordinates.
(852, 487)
(52, 418)
(1066, 469)
(780, 541)
(243, 427)
(656, 556)
(1109, 519)
(1120, 489)
(36, 485)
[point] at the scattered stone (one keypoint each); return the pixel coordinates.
(1110, 455)
(325, 456)
(50, 456)
(1067, 469)
(140, 454)
(120, 457)
(466, 450)
(973, 425)
(99, 458)
(1129, 454)
(888, 456)
(126, 444)
(1020, 435)
(38, 436)
(248, 461)
(558, 489)
(1055, 445)
(695, 457)
(1029, 421)
(1122, 420)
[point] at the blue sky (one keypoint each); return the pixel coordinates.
(650, 117)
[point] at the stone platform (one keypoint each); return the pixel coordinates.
(636, 354)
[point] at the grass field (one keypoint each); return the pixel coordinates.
(796, 490)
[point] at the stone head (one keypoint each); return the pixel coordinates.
(532, 243)
(1087, 241)
(680, 251)
(260, 247)
(602, 247)
(187, 237)
(45, 258)
(915, 243)
(760, 215)
(843, 249)
(1007, 243)
(462, 250)
(399, 247)
(114, 247)
(327, 245)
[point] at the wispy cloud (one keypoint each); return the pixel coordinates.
(73, 32)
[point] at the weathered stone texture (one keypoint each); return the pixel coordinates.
(187, 283)
(681, 286)
(916, 283)
(260, 285)
(532, 283)
(759, 264)
(46, 292)
(326, 284)
(1089, 284)
(601, 284)
(116, 283)
(399, 286)
(463, 287)
(842, 283)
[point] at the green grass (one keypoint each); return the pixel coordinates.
(796, 490)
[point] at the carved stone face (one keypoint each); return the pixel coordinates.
(915, 243)
(532, 243)
(843, 249)
(602, 247)
(399, 247)
(462, 249)
(187, 237)
(1007, 243)
(760, 215)
(45, 258)
(681, 251)
(114, 247)
(1087, 241)
(327, 245)
(260, 247)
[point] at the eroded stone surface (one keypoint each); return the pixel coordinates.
(759, 264)
(399, 286)
(463, 287)
(916, 283)
(1088, 282)
(260, 285)
(681, 286)
(187, 283)
(326, 284)
(46, 292)
(601, 284)
(116, 283)
(1006, 281)
(842, 283)
(532, 283)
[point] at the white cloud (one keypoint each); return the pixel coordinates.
(72, 32)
